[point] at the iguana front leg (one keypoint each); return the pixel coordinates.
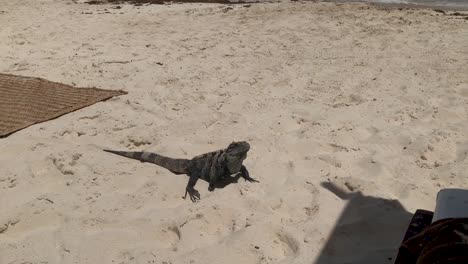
(194, 194)
(213, 175)
(245, 174)
(211, 187)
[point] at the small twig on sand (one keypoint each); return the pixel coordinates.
(110, 62)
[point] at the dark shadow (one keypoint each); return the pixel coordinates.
(221, 183)
(227, 180)
(369, 230)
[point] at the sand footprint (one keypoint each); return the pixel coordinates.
(330, 160)
(289, 244)
(8, 181)
(255, 244)
(299, 203)
(65, 165)
(437, 150)
(7, 223)
(344, 101)
(282, 248)
(169, 235)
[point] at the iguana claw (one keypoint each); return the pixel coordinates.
(194, 194)
(251, 179)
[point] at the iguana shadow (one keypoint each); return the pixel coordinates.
(221, 183)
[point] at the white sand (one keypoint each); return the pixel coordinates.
(371, 99)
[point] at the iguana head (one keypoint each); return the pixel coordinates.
(236, 153)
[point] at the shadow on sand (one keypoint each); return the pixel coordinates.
(369, 230)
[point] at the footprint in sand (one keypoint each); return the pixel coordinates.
(20, 66)
(125, 256)
(330, 160)
(170, 235)
(7, 223)
(344, 187)
(289, 244)
(9, 181)
(138, 142)
(41, 204)
(38, 146)
(65, 164)
(436, 150)
(351, 100)
(282, 246)
(297, 203)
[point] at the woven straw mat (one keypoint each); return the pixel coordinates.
(25, 101)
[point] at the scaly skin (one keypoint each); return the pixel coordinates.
(211, 166)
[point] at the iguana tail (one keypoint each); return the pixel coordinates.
(177, 166)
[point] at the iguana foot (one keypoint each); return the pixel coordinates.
(194, 194)
(250, 179)
(211, 187)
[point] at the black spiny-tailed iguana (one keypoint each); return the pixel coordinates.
(211, 166)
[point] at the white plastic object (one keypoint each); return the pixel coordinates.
(451, 203)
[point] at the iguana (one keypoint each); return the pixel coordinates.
(211, 166)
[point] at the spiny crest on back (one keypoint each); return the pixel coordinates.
(238, 148)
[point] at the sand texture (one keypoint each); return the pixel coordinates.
(356, 117)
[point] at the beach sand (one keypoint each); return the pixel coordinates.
(372, 102)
